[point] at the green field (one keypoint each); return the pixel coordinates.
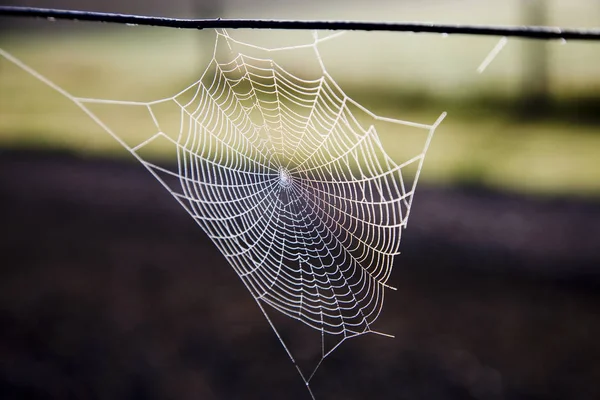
(481, 142)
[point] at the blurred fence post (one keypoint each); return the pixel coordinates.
(535, 75)
(206, 9)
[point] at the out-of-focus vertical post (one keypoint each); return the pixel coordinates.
(206, 9)
(536, 79)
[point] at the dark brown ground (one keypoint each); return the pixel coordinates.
(108, 290)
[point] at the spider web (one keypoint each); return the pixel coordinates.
(288, 177)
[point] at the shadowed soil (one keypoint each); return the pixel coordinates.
(109, 290)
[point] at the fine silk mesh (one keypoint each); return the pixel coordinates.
(288, 177)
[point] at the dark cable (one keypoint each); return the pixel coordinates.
(529, 32)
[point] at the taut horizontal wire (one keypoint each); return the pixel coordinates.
(528, 32)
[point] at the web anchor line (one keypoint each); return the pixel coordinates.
(310, 221)
(492, 54)
(526, 32)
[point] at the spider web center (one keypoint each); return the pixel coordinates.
(285, 179)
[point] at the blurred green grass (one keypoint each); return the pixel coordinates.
(481, 142)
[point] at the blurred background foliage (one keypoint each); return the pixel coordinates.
(528, 123)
